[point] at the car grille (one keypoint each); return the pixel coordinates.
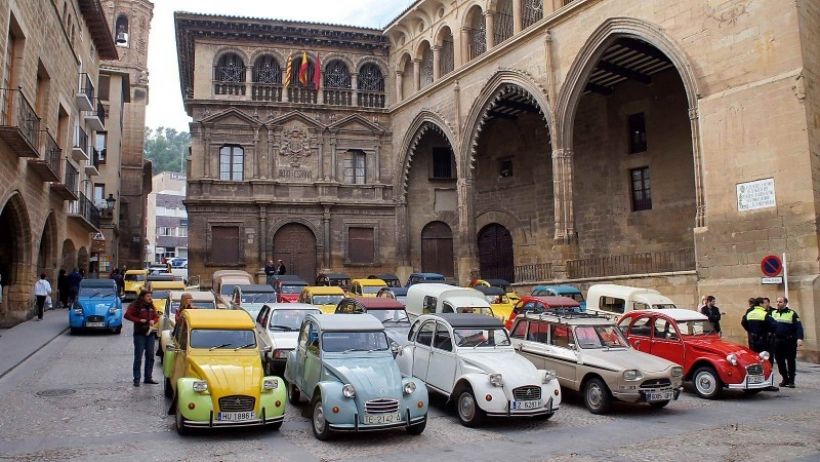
(656, 383)
(237, 403)
(754, 369)
(381, 406)
(527, 393)
(95, 319)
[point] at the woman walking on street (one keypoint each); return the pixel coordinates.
(42, 289)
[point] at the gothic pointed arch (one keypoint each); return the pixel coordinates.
(423, 123)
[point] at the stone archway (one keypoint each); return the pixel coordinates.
(69, 256)
(295, 245)
(83, 260)
(47, 255)
(15, 260)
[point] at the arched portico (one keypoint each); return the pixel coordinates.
(16, 267)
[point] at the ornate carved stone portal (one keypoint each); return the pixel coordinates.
(295, 146)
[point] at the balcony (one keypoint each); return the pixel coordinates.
(338, 97)
(19, 124)
(95, 120)
(85, 95)
(48, 165)
(80, 151)
(84, 212)
(302, 95)
(371, 99)
(268, 92)
(68, 188)
(92, 167)
(229, 88)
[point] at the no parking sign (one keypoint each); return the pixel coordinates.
(772, 267)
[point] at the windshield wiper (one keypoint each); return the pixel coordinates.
(486, 340)
(245, 346)
(284, 328)
(219, 346)
(360, 349)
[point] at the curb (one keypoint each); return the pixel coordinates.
(7, 371)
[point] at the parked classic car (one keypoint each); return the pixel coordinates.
(498, 300)
(97, 307)
(325, 297)
(163, 285)
(424, 278)
(502, 284)
(366, 287)
(613, 300)
(444, 298)
(333, 279)
(532, 304)
(252, 298)
(344, 366)
(686, 337)
(277, 328)
(561, 290)
(396, 293)
(590, 356)
(287, 287)
(133, 281)
(390, 279)
(389, 311)
(222, 283)
(469, 359)
(199, 300)
(213, 373)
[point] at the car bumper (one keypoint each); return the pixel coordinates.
(640, 396)
(745, 385)
(549, 408)
(211, 423)
(359, 427)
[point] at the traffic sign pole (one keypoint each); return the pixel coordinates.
(785, 277)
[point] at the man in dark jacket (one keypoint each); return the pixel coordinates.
(63, 288)
(118, 279)
(712, 312)
(281, 269)
(788, 335)
(142, 313)
(758, 324)
(74, 280)
(270, 270)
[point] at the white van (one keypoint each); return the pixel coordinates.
(444, 298)
(613, 300)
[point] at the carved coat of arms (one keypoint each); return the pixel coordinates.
(295, 146)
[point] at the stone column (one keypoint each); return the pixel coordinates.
(206, 151)
(333, 157)
(436, 62)
(416, 74)
(263, 235)
(562, 192)
(256, 155)
(399, 84)
(466, 250)
(465, 45)
(248, 79)
(489, 26)
(271, 167)
(403, 242)
(354, 85)
(326, 238)
(700, 211)
(518, 17)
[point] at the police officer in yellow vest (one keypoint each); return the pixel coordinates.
(788, 335)
(759, 324)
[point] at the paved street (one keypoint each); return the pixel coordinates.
(73, 400)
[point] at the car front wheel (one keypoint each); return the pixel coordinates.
(182, 429)
(706, 382)
(469, 413)
(321, 429)
(293, 394)
(597, 397)
(418, 428)
(659, 404)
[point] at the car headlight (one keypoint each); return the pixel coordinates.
(549, 376)
(732, 359)
(764, 355)
(349, 391)
(409, 388)
(632, 375)
(280, 354)
(112, 310)
(78, 311)
(496, 380)
(200, 386)
(677, 372)
(270, 384)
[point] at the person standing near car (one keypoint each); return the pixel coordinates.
(145, 317)
(712, 312)
(270, 270)
(42, 290)
(63, 288)
(280, 270)
(788, 335)
(758, 324)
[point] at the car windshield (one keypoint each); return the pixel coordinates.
(664, 306)
(480, 337)
(591, 337)
(97, 292)
(327, 299)
(265, 297)
(335, 342)
(699, 327)
(371, 290)
(196, 304)
(291, 289)
(577, 296)
(134, 277)
(390, 316)
(288, 320)
(393, 283)
(475, 310)
(222, 339)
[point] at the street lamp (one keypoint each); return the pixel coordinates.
(109, 201)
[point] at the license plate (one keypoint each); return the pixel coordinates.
(521, 405)
(659, 395)
(381, 419)
(236, 416)
(755, 379)
(95, 324)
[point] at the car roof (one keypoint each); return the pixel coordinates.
(292, 306)
(379, 303)
(429, 275)
(383, 277)
(324, 290)
(161, 277)
(330, 322)
(218, 319)
(469, 320)
(569, 318)
(195, 294)
(552, 300)
(498, 282)
(255, 288)
(101, 283)
(619, 290)
(291, 278)
(559, 288)
(142, 271)
(370, 282)
(489, 290)
(678, 314)
(334, 275)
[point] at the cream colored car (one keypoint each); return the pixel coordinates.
(591, 356)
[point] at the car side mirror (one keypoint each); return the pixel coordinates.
(267, 349)
(571, 346)
(171, 347)
(395, 348)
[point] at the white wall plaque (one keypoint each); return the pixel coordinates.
(756, 195)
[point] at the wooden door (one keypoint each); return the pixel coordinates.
(295, 245)
(495, 253)
(437, 249)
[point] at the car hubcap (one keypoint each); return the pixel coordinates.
(594, 396)
(466, 407)
(319, 418)
(705, 383)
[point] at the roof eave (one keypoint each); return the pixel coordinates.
(94, 16)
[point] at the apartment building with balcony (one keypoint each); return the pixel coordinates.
(167, 218)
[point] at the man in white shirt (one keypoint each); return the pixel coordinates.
(42, 289)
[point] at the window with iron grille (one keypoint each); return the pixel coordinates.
(478, 35)
(361, 247)
(229, 68)
(447, 54)
(442, 163)
(337, 75)
(427, 67)
(371, 78)
(641, 189)
(267, 70)
(532, 12)
(224, 246)
(503, 21)
(355, 167)
(637, 133)
(294, 77)
(231, 163)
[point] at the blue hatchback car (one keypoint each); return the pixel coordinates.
(561, 291)
(97, 307)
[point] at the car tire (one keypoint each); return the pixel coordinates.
(467, 408)
(275, 427)
(752, 392)
(182, 429)
(118, 330)
(706, 382)
(294, 395)
(544, 417)
(597, 397)
(321, 429)
(659, 404)
(418, 428)
(74, 331)
(166, 388)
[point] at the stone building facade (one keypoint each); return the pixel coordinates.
(669, 146)
(48, 111)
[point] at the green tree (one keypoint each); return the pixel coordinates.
(167, 149)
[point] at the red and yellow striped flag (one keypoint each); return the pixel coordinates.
(303, 69)
(289, 70)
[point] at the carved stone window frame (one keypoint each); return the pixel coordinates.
(240, 224)
(372, 224)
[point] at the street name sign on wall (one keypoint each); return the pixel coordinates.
(756, 195)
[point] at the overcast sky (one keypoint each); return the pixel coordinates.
(165, 108)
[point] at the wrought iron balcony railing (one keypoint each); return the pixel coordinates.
(19, 123)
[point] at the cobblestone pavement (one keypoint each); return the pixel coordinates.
(73, 400)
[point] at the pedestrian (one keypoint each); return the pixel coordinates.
(767, 305)
(280, 270)
(185, 302)
(712, 312)
(74, 280)
(270, 270)
(758, 324)
(788, 335)
(145, 317)
(63, 288)
(702, 303)
(118, 279)
(42, 289)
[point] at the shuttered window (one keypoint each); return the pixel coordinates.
(360, 245)
(224, 248)
(442, 163)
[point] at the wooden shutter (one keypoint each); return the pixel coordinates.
(360, 245)
(225, 245)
